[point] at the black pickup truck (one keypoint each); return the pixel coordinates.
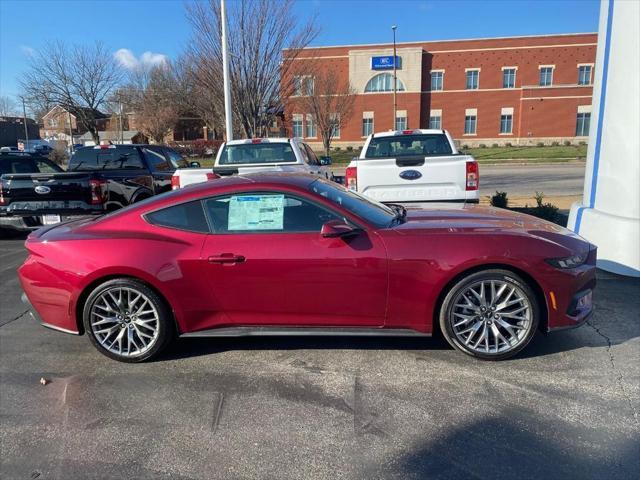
(99, 179)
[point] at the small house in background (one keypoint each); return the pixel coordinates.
(55, 124)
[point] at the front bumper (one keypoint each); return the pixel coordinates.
(36, 316)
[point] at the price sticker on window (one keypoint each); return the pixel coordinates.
(256, 212)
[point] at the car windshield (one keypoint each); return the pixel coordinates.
(409, 145)
(256, 153)
(372, 211)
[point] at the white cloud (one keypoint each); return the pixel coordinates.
(128, 60)
(27, 50)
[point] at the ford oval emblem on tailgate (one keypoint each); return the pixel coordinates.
(410, 174)
(42, 189)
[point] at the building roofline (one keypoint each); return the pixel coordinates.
(418, 42)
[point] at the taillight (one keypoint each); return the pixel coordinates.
(2, 199)
(212, 176)
(351, 178)
(473, 176)
(175, 182)
(98, 191)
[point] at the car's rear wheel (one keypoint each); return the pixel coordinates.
(490, 314)
(127, 321)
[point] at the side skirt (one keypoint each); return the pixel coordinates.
(304, 331)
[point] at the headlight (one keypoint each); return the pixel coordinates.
(569, 262)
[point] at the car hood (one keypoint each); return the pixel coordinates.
(473, 218)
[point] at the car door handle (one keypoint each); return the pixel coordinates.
(226, 258)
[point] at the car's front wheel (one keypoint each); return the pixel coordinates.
(491, 314)
(127, 321)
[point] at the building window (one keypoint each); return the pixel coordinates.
(367, 126)
(546, 76)
(401, 122)
(297, 125)
(383, 82)
(470, 123)
(335, 125)
(506, 123)
(303, 85)
(435, 119)
(473, 77)
(509, 78)
(582, 124)
(310, 127)
(437, 80)
(584, 75)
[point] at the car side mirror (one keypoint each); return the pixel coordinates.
(336, 228)
(325, 161)
(194, 164)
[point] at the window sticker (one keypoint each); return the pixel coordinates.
(256, 212)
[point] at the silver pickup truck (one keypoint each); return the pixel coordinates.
(257, 154)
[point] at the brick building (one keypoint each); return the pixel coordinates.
(519, 90)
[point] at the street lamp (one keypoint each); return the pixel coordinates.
(395, 81)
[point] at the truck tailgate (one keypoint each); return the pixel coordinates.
(41, 194)
(413, 179)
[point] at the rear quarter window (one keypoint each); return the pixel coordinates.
(185, 216)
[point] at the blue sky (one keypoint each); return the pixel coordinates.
(160, 26)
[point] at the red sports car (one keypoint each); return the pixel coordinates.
(283, 254)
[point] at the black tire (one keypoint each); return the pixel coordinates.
(165, 323)
(447, 317)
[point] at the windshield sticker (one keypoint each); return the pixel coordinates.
(256, 212)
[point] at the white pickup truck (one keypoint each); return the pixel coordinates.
(257, 154)
(413, 166)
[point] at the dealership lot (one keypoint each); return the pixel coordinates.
(322, 407)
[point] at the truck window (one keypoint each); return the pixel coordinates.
(155, 159)
(409, 145)
(256, 153)
(176, 159)
(112, 158)
(46, 166)
(17, 165)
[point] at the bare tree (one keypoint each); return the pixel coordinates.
(8, 107)
(329, 100)
(80, 79)
(258, 31)
(154, 95)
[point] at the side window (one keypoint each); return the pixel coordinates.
(265, 212)
(186, 216)
(156, 159)
(177, 161)
(303, 151)
(313, 159)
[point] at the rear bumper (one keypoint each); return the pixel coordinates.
(36, 316)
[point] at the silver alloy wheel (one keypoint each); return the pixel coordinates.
(491, 316)
(125, 321)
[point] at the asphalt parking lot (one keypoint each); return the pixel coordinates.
(352, 408)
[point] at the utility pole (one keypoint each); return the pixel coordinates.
(395, 81)
(225, 73)
(70, 133)
(26, 130)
